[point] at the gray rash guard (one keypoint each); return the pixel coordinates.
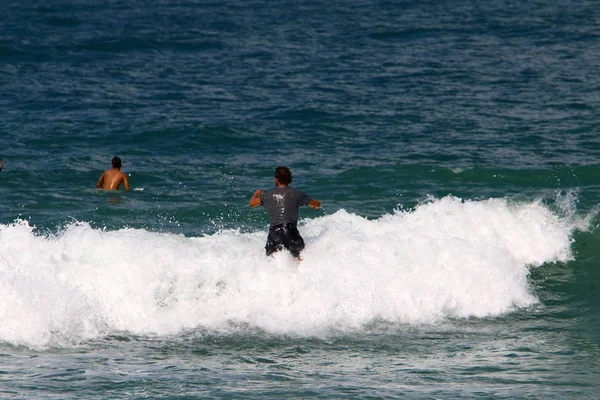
(282, 204)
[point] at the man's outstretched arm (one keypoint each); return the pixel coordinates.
(255, 199)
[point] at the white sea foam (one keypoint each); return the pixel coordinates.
(446, 258)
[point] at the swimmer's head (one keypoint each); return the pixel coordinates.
(116, 162)
(283, 175)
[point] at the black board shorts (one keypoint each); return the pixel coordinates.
(284, 236)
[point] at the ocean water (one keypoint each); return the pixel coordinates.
(455, 149)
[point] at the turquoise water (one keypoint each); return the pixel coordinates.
(454, 147)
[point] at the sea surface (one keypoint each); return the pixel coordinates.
(454, 145)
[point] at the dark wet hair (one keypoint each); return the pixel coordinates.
(283, 175)
(116, 162)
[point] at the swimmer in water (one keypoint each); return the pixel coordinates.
(111, 179)
(283, 203)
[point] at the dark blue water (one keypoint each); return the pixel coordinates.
(454, 147)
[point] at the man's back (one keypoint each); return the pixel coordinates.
(282, 204)
(111, 179)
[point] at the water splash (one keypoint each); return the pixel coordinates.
(446, 258)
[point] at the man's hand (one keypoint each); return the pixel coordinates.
(314, 203)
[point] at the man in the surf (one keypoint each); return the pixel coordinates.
(283, 204)
(111, 179)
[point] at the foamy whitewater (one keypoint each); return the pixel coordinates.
(446, 258)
